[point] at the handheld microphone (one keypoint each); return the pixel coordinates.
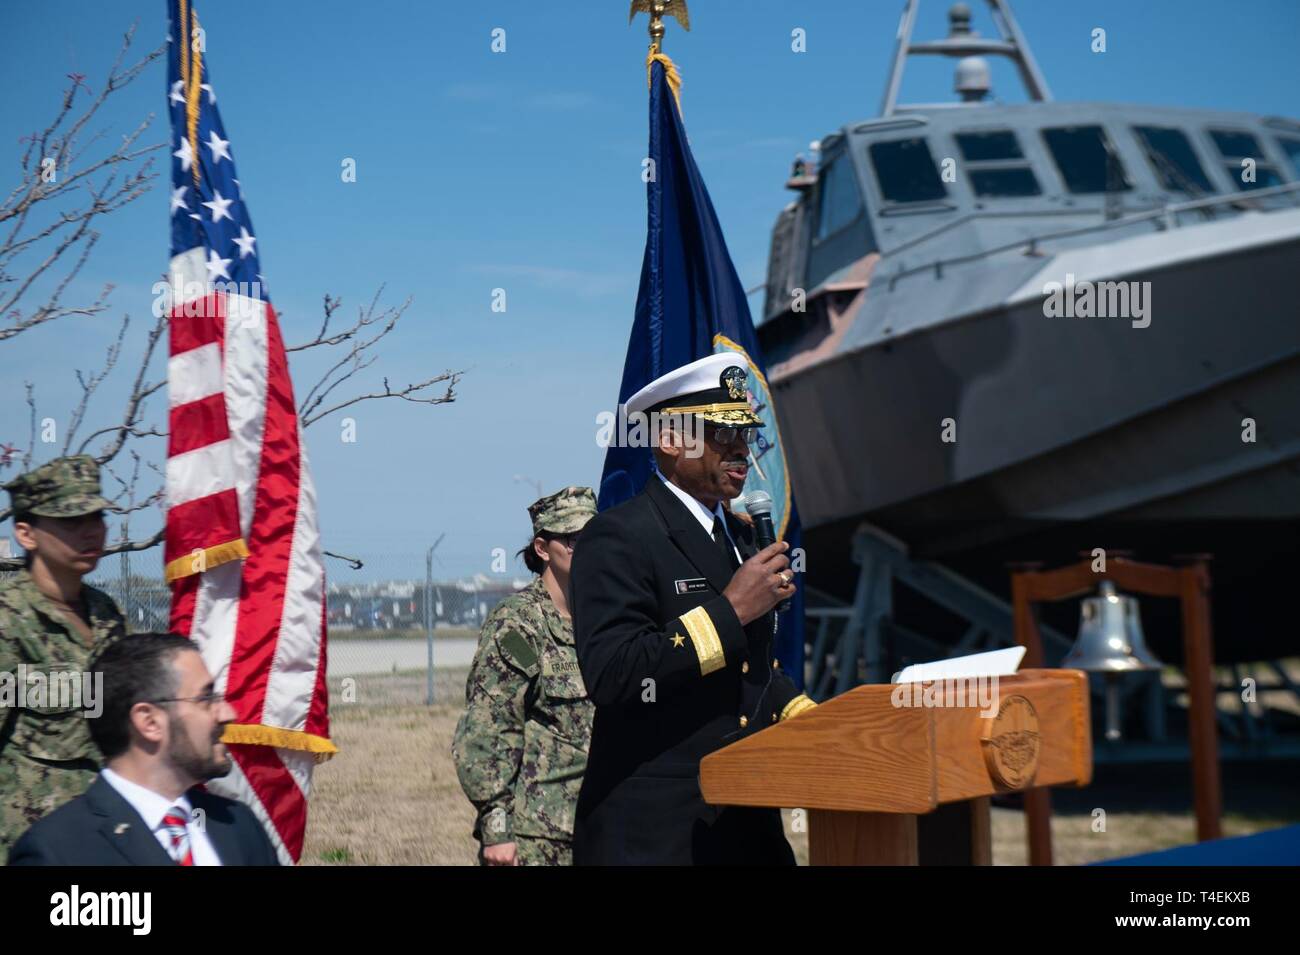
(759, 506)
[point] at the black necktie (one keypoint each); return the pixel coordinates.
(724, 544)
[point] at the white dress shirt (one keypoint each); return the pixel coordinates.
(703, 514)
(152, 807)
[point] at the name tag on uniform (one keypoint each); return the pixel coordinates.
(559, 667)
(693, 586)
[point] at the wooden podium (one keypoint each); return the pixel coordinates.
(867, 764)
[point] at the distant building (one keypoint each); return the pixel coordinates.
(400, 604)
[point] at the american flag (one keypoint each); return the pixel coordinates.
(243, 550)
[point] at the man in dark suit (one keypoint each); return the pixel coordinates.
(159, 733)
(672, 611)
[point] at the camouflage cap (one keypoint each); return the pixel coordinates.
(564, 512)
(64, 487)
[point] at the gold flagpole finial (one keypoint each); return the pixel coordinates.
(658, 9)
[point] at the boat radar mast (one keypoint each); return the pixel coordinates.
(972, 71)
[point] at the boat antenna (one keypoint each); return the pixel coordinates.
(961, 42)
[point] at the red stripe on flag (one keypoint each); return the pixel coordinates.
(185, 593)
(190, 525)
(270, 540)
(278, 792)
(318, 716)
(197, 323)
(196, 424)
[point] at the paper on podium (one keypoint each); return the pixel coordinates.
(993, 663)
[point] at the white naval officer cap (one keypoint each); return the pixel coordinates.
(715, 387)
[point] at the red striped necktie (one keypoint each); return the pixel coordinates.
(179, 835)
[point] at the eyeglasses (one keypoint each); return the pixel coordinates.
(726, 434)
(207, 699)
(568, 540)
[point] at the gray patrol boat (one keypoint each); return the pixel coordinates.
(998, 332)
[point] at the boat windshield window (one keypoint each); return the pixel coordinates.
(1170, 153)
(1087, 160)
(840, 201)
(905, 171)
(1233, 143)
(1004, 182)
(1292, 149)
(1244, 157)
(995, 164)
(994, 144)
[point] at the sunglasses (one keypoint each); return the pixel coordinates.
(726, 434)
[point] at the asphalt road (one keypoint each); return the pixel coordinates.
(359, 657)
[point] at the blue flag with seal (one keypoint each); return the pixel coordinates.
(691, 304)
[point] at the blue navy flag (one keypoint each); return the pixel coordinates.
(691, 304)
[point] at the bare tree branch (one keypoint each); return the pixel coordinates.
(91, 383)
(31, 441)
(50, 175)
(357, 359)
(331, 306)
(152, 541)
(125, 504)
(409, 393)
(47, 234)
(129, 425)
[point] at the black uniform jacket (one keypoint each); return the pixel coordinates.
(674, 676)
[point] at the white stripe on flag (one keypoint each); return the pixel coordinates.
(245, 388)
(216, 612)
(194, 374)
(189, 276)
(198, 473)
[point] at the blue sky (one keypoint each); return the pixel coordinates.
(521, 170)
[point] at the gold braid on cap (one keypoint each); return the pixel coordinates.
(724, 413)
(715, 408)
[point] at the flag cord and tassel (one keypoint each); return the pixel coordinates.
(256, 734)
(670, 73)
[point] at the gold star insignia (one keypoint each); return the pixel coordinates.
(678, 639)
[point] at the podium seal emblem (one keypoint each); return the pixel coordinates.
(1011, 744)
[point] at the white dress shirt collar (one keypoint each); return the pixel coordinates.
(152, 806)
(701, 513)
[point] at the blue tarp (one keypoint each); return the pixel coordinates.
(1275, 847)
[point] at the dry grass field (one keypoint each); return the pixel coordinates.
(391, 796)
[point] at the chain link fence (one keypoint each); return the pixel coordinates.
(380, 647)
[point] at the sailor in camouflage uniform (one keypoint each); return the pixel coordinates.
(50, 622)
(521, 745)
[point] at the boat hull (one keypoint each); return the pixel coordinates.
(1010, 435)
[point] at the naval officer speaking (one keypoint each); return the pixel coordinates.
(672, 614)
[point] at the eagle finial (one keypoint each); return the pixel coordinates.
(658, 9)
